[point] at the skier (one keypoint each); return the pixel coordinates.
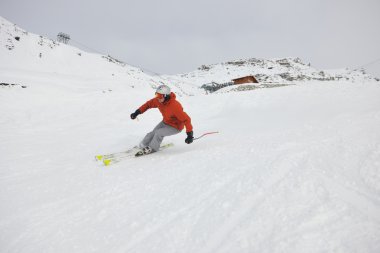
(174, 120)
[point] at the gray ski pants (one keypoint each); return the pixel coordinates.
(153, 139)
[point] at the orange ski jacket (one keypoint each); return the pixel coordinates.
(172, 112)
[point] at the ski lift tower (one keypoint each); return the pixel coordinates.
(63, 37)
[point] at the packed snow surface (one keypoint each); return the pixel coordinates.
(293, 169)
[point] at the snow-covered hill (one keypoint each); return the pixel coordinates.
(272, 71)
(24, 50)
(31, 53)
(293, 169)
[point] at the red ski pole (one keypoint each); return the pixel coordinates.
(205, 134)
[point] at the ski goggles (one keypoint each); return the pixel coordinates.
(160, 96)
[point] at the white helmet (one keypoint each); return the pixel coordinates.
(163, 89)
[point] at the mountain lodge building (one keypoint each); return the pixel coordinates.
(245, 79)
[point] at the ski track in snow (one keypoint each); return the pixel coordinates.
(293, 169)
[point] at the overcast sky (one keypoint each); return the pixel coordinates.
(178, 36)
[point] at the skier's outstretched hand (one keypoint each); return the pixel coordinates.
(135, 114)
(190, 137)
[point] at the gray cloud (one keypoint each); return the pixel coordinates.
(173, 36)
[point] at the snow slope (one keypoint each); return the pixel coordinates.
(28, 52)
(293, 169)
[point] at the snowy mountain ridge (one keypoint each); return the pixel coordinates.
(44, 51)
(281, 71)
(28, 52)
(22, 50)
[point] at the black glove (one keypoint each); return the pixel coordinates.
(134, 115)
(190, 137)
